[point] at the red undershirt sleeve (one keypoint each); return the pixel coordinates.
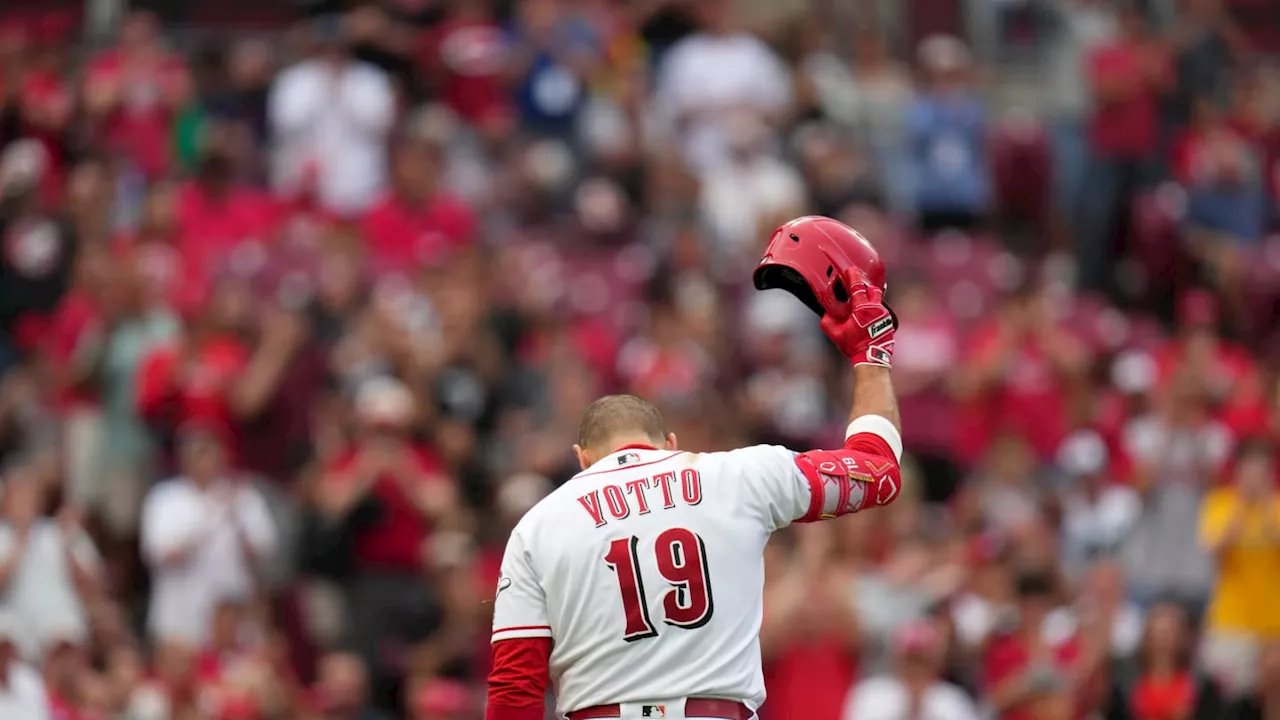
(519, 679)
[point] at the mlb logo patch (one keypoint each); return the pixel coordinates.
(623, 459)
(653, 711)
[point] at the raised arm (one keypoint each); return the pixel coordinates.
(865, 472)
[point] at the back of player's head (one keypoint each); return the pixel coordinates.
(614, 416)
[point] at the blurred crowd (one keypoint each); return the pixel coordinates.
(296, 324)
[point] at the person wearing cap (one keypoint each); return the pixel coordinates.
(1098, 511)
(388, 498)
(331, 116)
(205, 535)
(915, 687)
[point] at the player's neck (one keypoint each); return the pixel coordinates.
(617, 445)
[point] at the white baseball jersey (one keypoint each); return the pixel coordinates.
(647, 570)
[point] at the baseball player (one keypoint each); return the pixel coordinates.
(636, 586)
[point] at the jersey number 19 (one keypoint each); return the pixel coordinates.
(682, 562)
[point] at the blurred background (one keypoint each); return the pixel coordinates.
(300, 303)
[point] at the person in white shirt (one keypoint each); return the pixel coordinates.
(205, 536)
(47, 567)
(750, 193)
(330, 118)
(637, 585)
(22, 691)
(713, 76)
(914, 688)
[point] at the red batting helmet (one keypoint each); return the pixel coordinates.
(808, 257)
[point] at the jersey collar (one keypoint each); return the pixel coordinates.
(633, 446)
(619, 458)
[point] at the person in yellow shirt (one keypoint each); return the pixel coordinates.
(1240, 526)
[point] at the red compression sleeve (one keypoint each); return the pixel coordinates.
(519, 678)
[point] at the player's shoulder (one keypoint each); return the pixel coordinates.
(753, 459)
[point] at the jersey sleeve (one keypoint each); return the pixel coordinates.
(784, 486)
(520, 606)
(773, 486)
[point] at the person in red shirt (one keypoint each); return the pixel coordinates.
(1020, 370)
(133, 91)
(45, 98)
(418, 222)
(194, 377)
(1199, 352)
(211, 374)
(1034, 660)
(391, 497)
(809, 635)
(1129, 77)
(1167, 686)
(216, 213)
(466, 56)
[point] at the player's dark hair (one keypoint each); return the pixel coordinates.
(614, 415)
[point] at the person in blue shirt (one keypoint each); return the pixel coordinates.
(947, 138)
(553, 54)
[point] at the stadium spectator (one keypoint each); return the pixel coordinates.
(1240, 526)
(419, 222)
(1097, 515)
(1177, 450)
(915, 687)
(331, 115)
(388, 497)
(947, 138)
(1163, 682)
(1084, 26)
(552, 53)
(205, 534)
(713, 75)
(342, 689)
(1129, 76)
(1022, 358)
(49, 569)
(1027, 665)
(133, 92)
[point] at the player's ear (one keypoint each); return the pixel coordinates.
(579, 453)
(670, 443)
